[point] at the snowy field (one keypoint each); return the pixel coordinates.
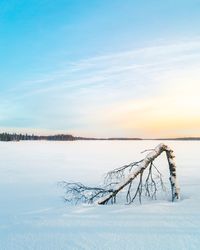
(34, 216)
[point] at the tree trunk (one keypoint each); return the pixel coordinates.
(142, 166)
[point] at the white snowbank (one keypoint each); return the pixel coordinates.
(34, 216)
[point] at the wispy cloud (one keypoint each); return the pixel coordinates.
(74, 97)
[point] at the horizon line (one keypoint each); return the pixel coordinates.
(102, 138)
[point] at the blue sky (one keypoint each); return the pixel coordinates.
(100, 68)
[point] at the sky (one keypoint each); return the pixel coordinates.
(103, 68)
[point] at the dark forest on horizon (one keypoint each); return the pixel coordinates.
(26, 137)
(66, 137)
(59, 137)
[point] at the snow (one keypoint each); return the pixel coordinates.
(34, 216)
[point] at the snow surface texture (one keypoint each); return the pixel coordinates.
(34, 216)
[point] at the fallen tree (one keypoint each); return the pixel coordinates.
(122, 178)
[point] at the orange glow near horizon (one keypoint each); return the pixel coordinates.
(175, 112)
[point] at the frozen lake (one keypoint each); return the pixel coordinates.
(33, 214)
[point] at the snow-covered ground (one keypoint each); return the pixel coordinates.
(34, 216)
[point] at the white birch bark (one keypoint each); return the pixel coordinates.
(142, 166)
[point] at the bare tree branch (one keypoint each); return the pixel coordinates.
(122, 178)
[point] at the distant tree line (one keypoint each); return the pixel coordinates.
(26, 137)
(66, 137)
